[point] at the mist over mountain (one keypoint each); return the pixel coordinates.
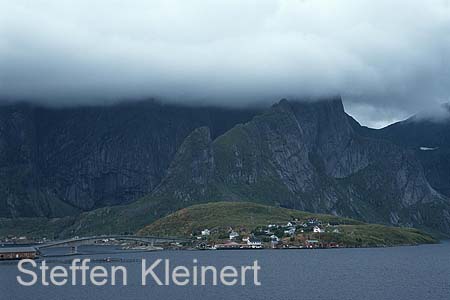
(80, 141)
(386, 65)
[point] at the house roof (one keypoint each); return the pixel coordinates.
(312, 241)
(16, 249)
(254, 240)
(231, 244)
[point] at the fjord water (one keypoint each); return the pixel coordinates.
(402, 273)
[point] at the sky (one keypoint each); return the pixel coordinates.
(387, 59)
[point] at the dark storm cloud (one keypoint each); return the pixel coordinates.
(388, 59)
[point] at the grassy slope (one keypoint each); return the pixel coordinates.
(376, 235)
(34, 227)
(222, 215)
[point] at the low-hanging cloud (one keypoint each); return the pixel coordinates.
(388, 59)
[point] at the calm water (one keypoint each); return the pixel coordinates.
(407, 273)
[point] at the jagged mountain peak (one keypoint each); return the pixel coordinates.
(323, 114)
(307, 155)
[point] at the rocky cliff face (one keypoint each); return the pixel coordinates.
(303, 155)
(307, 156)
(57, 162)
(429, 139)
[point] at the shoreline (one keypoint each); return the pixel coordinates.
(110, 259)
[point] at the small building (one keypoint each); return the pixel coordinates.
(333, 245)
(274, 238)
(233, 235)
(312, 222)
(227, 246)
(268, 232)
(291, 224)
(290, 231)
(18, 253)
(202, 246)
(254, 243)
(311, 244)
(206, 232)
(317, 229)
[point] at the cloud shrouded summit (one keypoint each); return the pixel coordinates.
(387, 59)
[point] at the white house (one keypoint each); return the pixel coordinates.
(317, 229)
(206, 232)
(233, 235)
(274, 238)
(290, 231)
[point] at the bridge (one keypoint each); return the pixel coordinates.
(80, 241)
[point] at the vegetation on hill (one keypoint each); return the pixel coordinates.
(221, 216)
(34, 227)
(376, 235)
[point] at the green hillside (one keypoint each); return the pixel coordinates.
(220, 216)
(223, 215)
(34, 227)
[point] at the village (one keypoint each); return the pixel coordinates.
(311, 233)
(294, 234)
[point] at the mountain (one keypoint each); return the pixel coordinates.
(429, 139)
(62, 161)
(302, 155)
(306, 156)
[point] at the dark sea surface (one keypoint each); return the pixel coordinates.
(401, 273)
